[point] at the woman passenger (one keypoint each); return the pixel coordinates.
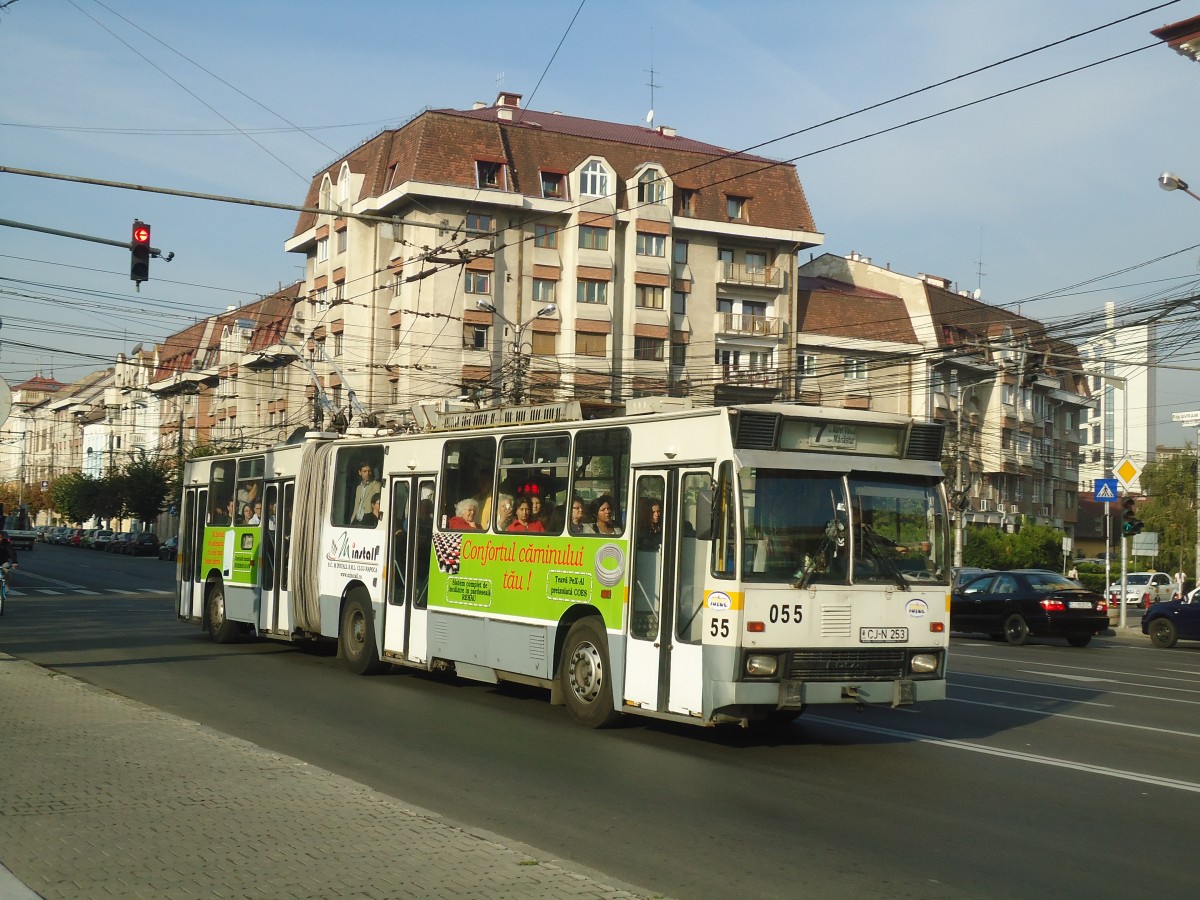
(606, 515)
(524, 513)
(466, 512)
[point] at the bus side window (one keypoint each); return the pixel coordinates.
(468, 473)
(357, 483)
(600, 474)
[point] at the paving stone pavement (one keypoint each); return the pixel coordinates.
(101, 796)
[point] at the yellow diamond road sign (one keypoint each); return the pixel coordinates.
(1127, 472)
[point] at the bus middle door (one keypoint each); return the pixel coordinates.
(408, 548)
(663, 662)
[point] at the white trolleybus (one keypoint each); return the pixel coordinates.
(729, 564)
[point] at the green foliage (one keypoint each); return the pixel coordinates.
(147, 483)
(74, 496)
(1169, 510)
(1033, 547)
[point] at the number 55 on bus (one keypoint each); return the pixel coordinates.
(731, 564)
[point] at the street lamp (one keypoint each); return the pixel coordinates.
(1169, 181)
(518, 336)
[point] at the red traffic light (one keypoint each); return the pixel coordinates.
(139, 259)
(141, 234)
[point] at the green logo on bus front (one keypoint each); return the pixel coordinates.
(530, 578)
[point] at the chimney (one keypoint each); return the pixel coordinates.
(478, 104)
(508, 98)
(666, 131)
(505, 113)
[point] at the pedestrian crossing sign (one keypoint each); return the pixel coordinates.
(1106, 490)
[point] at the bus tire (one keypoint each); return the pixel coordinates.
(356, 637)
(220, 629)
(585, 675)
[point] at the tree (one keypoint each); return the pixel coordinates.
(147, 482)
(1033, 547)
(74, 496)
(1169, 510)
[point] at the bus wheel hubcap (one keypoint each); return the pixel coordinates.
(587, 672)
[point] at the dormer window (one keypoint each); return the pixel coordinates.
(593, 180)
(490, 174)
(651, 187)
(554, 185)
(735, 207)
(687, 202)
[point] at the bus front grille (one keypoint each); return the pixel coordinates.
(824, 665)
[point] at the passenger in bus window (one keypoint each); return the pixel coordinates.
(223, 513)
(524, 516)
(466, 515)
(579, 518)
(649, 535)
(246, 495)
(504, 512)
(364, 491)
(483, 496)
(606, 515)
(255, 514)
(374, 517)
(549, 517)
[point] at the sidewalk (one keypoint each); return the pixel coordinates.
(104, 797)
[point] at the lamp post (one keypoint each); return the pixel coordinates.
(518, 389)
(1169, 181)
(963, 481)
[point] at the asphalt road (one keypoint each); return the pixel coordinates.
(1051, 771)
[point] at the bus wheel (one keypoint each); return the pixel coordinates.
(357, 637)
(220, 629)
(585, 675)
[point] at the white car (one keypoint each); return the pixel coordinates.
(1144, 588)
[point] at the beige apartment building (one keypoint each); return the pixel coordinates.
(498, 254)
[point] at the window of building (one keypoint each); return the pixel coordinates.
(593, 180)
(545, 236)
(806, 364)
(553, 184)
(679, 355)
(756, 263)
(592, 237)
(489, 174)
(686, 202)
(679, 303)
(648, 348)
(1095, 434)
(587, 344)
(854, 369)
(477, 224)
(478, 282)
(735, 207)
(544, 290)
(323, 250)
(651, 244)
(650, 297)
(396, 283)
(1007, 394)
(475, 337)
(341, 240)
(339, 343)
(591, 291)
(339, 292)
(321, 298)
(395, 337)
(728, 358)
(679, 251)
(651, 187)
(724, 263)
(543, 343)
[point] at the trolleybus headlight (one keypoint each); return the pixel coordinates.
(923, 662)
(761, 666)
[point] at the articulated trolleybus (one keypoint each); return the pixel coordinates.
(729, 564)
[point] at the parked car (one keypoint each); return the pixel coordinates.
(1144, 589)
(100, 541)
(1174, 620)
(75, 537)
(43, 533)
(59, 535)
(169, 548)
(117, 543)
(144, 543)
(89, 535)
(1024, 602)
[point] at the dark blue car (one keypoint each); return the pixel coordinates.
(1168, 622)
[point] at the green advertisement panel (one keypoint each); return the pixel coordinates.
(529, 576)
(232, 550)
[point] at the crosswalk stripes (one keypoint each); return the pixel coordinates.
(82, 592)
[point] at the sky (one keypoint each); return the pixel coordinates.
(1045, 198)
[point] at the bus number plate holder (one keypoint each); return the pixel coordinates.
(883, 635)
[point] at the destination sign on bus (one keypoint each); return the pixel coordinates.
(840, 437)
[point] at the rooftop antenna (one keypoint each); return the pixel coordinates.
(499, 83)
(650, 83)
(979, 272)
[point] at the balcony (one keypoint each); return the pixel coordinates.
(751, 276)
(747, 377)
(748, 326)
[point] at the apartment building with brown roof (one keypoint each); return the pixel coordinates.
(669, 263)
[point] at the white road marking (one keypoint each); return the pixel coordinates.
(992, 690)
(1042, 713)
(953, 744)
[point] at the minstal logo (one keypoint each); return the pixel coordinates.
(342, 548)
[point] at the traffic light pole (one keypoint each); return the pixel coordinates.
(1122, 616)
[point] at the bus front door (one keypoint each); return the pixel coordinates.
(663, 661)
(410, 527)
(188, 552)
